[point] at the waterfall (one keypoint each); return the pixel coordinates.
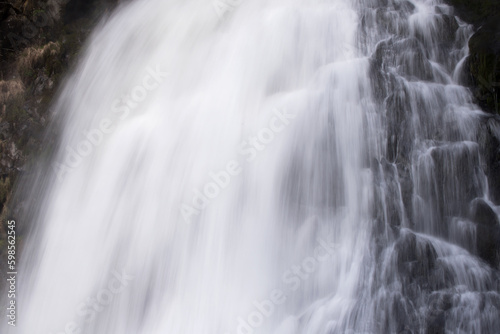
(274, 167)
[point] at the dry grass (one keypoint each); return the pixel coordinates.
(10, 89)
(34, 56)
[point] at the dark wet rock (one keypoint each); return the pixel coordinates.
(475, 12)
(421, 277)
(406, 55)
(436, 322)
(442, 29)
(493, 159)
(407, 187)
(488, 244)
(403, 58)
(399, 129)
(389, 20)
(413, 61)
(452, 163)
(379, 84)
(489, 141)
(388, 206)
(482, 213)
(416, 261)
(448, 26)
(488, 231)
(483, 65)
(405, 6)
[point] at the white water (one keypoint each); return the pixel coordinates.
(119, 208)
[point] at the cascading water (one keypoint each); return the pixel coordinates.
(291, 167)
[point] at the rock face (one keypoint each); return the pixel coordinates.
(39, 41)
(487, 231)
(475, 12)
(483, 64)
(483, 77)
(433, 168)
